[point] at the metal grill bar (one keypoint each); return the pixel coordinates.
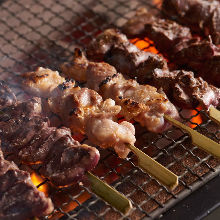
(44, 33)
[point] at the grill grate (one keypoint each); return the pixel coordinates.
(44, 33)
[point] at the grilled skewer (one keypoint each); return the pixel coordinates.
(82, 110)
(176, 42)
(94, 75)
(143, 103)
(181, 86)
(200, 15)
(146, 163)
(36, 150)
(188, 91)
(14, 183)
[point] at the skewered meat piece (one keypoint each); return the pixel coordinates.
(164, 32)
(135, 26)
(186, 90)
(42, 81)
(142, 103)
(26, 134)
(201, 56)
(184, 50)
(200, 15)
(19, 198)
(114, 48)
(7, 97)
(84, 111)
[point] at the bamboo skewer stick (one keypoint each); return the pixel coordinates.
(109, 194)
(161, 173)
(198, 139)
(214, 114)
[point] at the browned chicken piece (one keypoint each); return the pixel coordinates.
(186, 90)
(142, 103)
(114, 48)
(80, 69)
(77, 68)
(42, 81)
(84, 111)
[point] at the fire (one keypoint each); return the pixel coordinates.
(144, 44)
(36, 179)
(196, 119)
(157, 2)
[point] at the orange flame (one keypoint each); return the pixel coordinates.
(196, 119)
(36, 179)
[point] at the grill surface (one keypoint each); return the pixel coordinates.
(44, 33)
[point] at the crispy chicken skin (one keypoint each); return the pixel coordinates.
(142, 103)
(81, 109)
(42, 81)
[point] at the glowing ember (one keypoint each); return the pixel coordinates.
(157, 2)
(196, 119)
(36, 179)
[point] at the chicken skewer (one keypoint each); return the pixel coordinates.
(95, 72)
(82, 110)
(143, 103)
(63, 160)
(61, 102)
(202, 92)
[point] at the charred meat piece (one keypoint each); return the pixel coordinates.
(200, 15)
(42, 81)
(7, 97)
(142, 103)
(19, 198)
(28, 136)
(164, 32)
(68, 161)
(135, 26)
(201, 56)
(82, 109)
(114, 48)
(186, 90)
(19, 123)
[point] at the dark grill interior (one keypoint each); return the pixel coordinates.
(44, 33)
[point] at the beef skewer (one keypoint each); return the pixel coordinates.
(201, 56)
(176, 42)
(27, 135)
(19, 198)
(145, 162)
(114, 48)
(166, 33)
(186, 90)
(200, 15)
(114, 83)
(63, 160)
